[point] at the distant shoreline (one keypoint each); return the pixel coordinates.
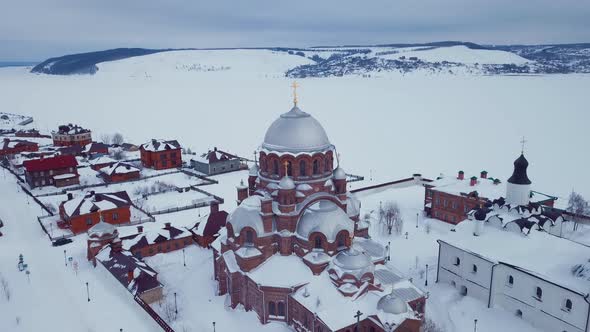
(17, 63)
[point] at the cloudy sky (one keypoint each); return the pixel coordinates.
(37, 29)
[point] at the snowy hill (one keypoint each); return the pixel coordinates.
(445, 57)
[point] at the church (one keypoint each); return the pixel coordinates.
(295, 251)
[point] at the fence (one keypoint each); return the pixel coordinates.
(390, 183)
(153, 314)
(182, 208)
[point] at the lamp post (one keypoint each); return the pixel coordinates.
(175, 305)
(475, 325)
(65, 258)
(426, 279)
(388, 251)
(213, 326)
(183, 258)
(417, 217)
(87, 291)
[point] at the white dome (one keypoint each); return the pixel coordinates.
(353, 262)
(339, 174)
(324, 217)
(247, 215)
(253, 170)
(392, 305)
(296, 131)
(286, 183)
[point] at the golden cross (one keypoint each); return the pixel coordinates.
(523, 141)
(295, 86)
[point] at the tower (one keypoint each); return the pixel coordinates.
(518, 188)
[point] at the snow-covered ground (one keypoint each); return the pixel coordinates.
(384, 127)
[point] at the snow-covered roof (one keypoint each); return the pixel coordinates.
(339, 174)
(101, 229)
(122, 265)
(485, 187)
(71, 129)
(296, 131)
(153, 236)
(547, 256)
(93, 202)
(267, 273)
(353, 262)
(247, 215)
(160, 145)
(102, 160)
(324, 217)
(119, 168)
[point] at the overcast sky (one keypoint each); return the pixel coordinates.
(37, 29)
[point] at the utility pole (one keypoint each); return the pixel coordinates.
(183, 258)
(65, 259)
(175, 305)
(388, 251)
(475, 325)
(417, 216)
(213, 326)
(426, 279)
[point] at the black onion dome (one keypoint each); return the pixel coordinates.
(480, 214)
(519, 175)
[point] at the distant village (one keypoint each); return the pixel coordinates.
(296, 212)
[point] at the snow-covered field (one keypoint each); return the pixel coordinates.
(385, 127)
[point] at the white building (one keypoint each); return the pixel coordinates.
(529, 276)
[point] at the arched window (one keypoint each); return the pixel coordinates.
(249, 237)
(539, 293)
(457, 261)
(519, 313)
(302, 166)
(510, 281)
(281, 308)
(289, 168)
(568, 305)
(318, 243)
(275, 167)
(341, 240)
(272, 310)
(474, 268)
(316, 167)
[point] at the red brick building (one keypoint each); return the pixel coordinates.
(295, 241)
(160, 154)
(81, 213)
(119, 172)
(206, 230)
(95, 149)
(68, 135)
(101, 162)
(56, 171)
(13, 146)
(162, 240)
(451, 198)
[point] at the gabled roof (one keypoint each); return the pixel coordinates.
(71, 129)
(95, 147)
(92, 202)
(160, 145)
(123, 264)
(119, 168)
(53, 163)
(211, 224)
(140, 240)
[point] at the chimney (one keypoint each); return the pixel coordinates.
(461, 175)
(6, 140)
(214, 207)
(167, 225)
(483, 174)
(139, 229)
(497, 181)
(129, 276)
(70, 196)
(473, 181)
(215, 148)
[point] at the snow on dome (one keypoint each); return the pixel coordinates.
(339, 174)
(287, 183)
(352, 259)
(101, 229)
(253, 170)
(247, 215)
(296, 131)
(324, 217)
(392, 304)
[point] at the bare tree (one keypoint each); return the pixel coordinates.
(117, 139)
(5, 288)
(390, 216)
(106, 139)
(117, 154)
(577, 206)
(430, 326)
(168, 309)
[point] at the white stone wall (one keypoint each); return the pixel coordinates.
(518, 194)
(547, 313)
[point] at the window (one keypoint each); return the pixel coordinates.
(457, 261)
(173, 155)
(437, 200)
(281, 308)
(249, 237)
(164, 163)
(318, 243)
(474, 268)
(275, 167)
(272, 310)
(302, 166)
(436, 214)
(445, 203)
(519, 313)
(289, 168)
(538, 293)
(454, 205)
(115, 216)
(510, 281)
(88, 221)
(316, 167)
(341, 240)
(568, 305)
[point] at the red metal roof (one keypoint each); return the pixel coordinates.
(52, 163)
